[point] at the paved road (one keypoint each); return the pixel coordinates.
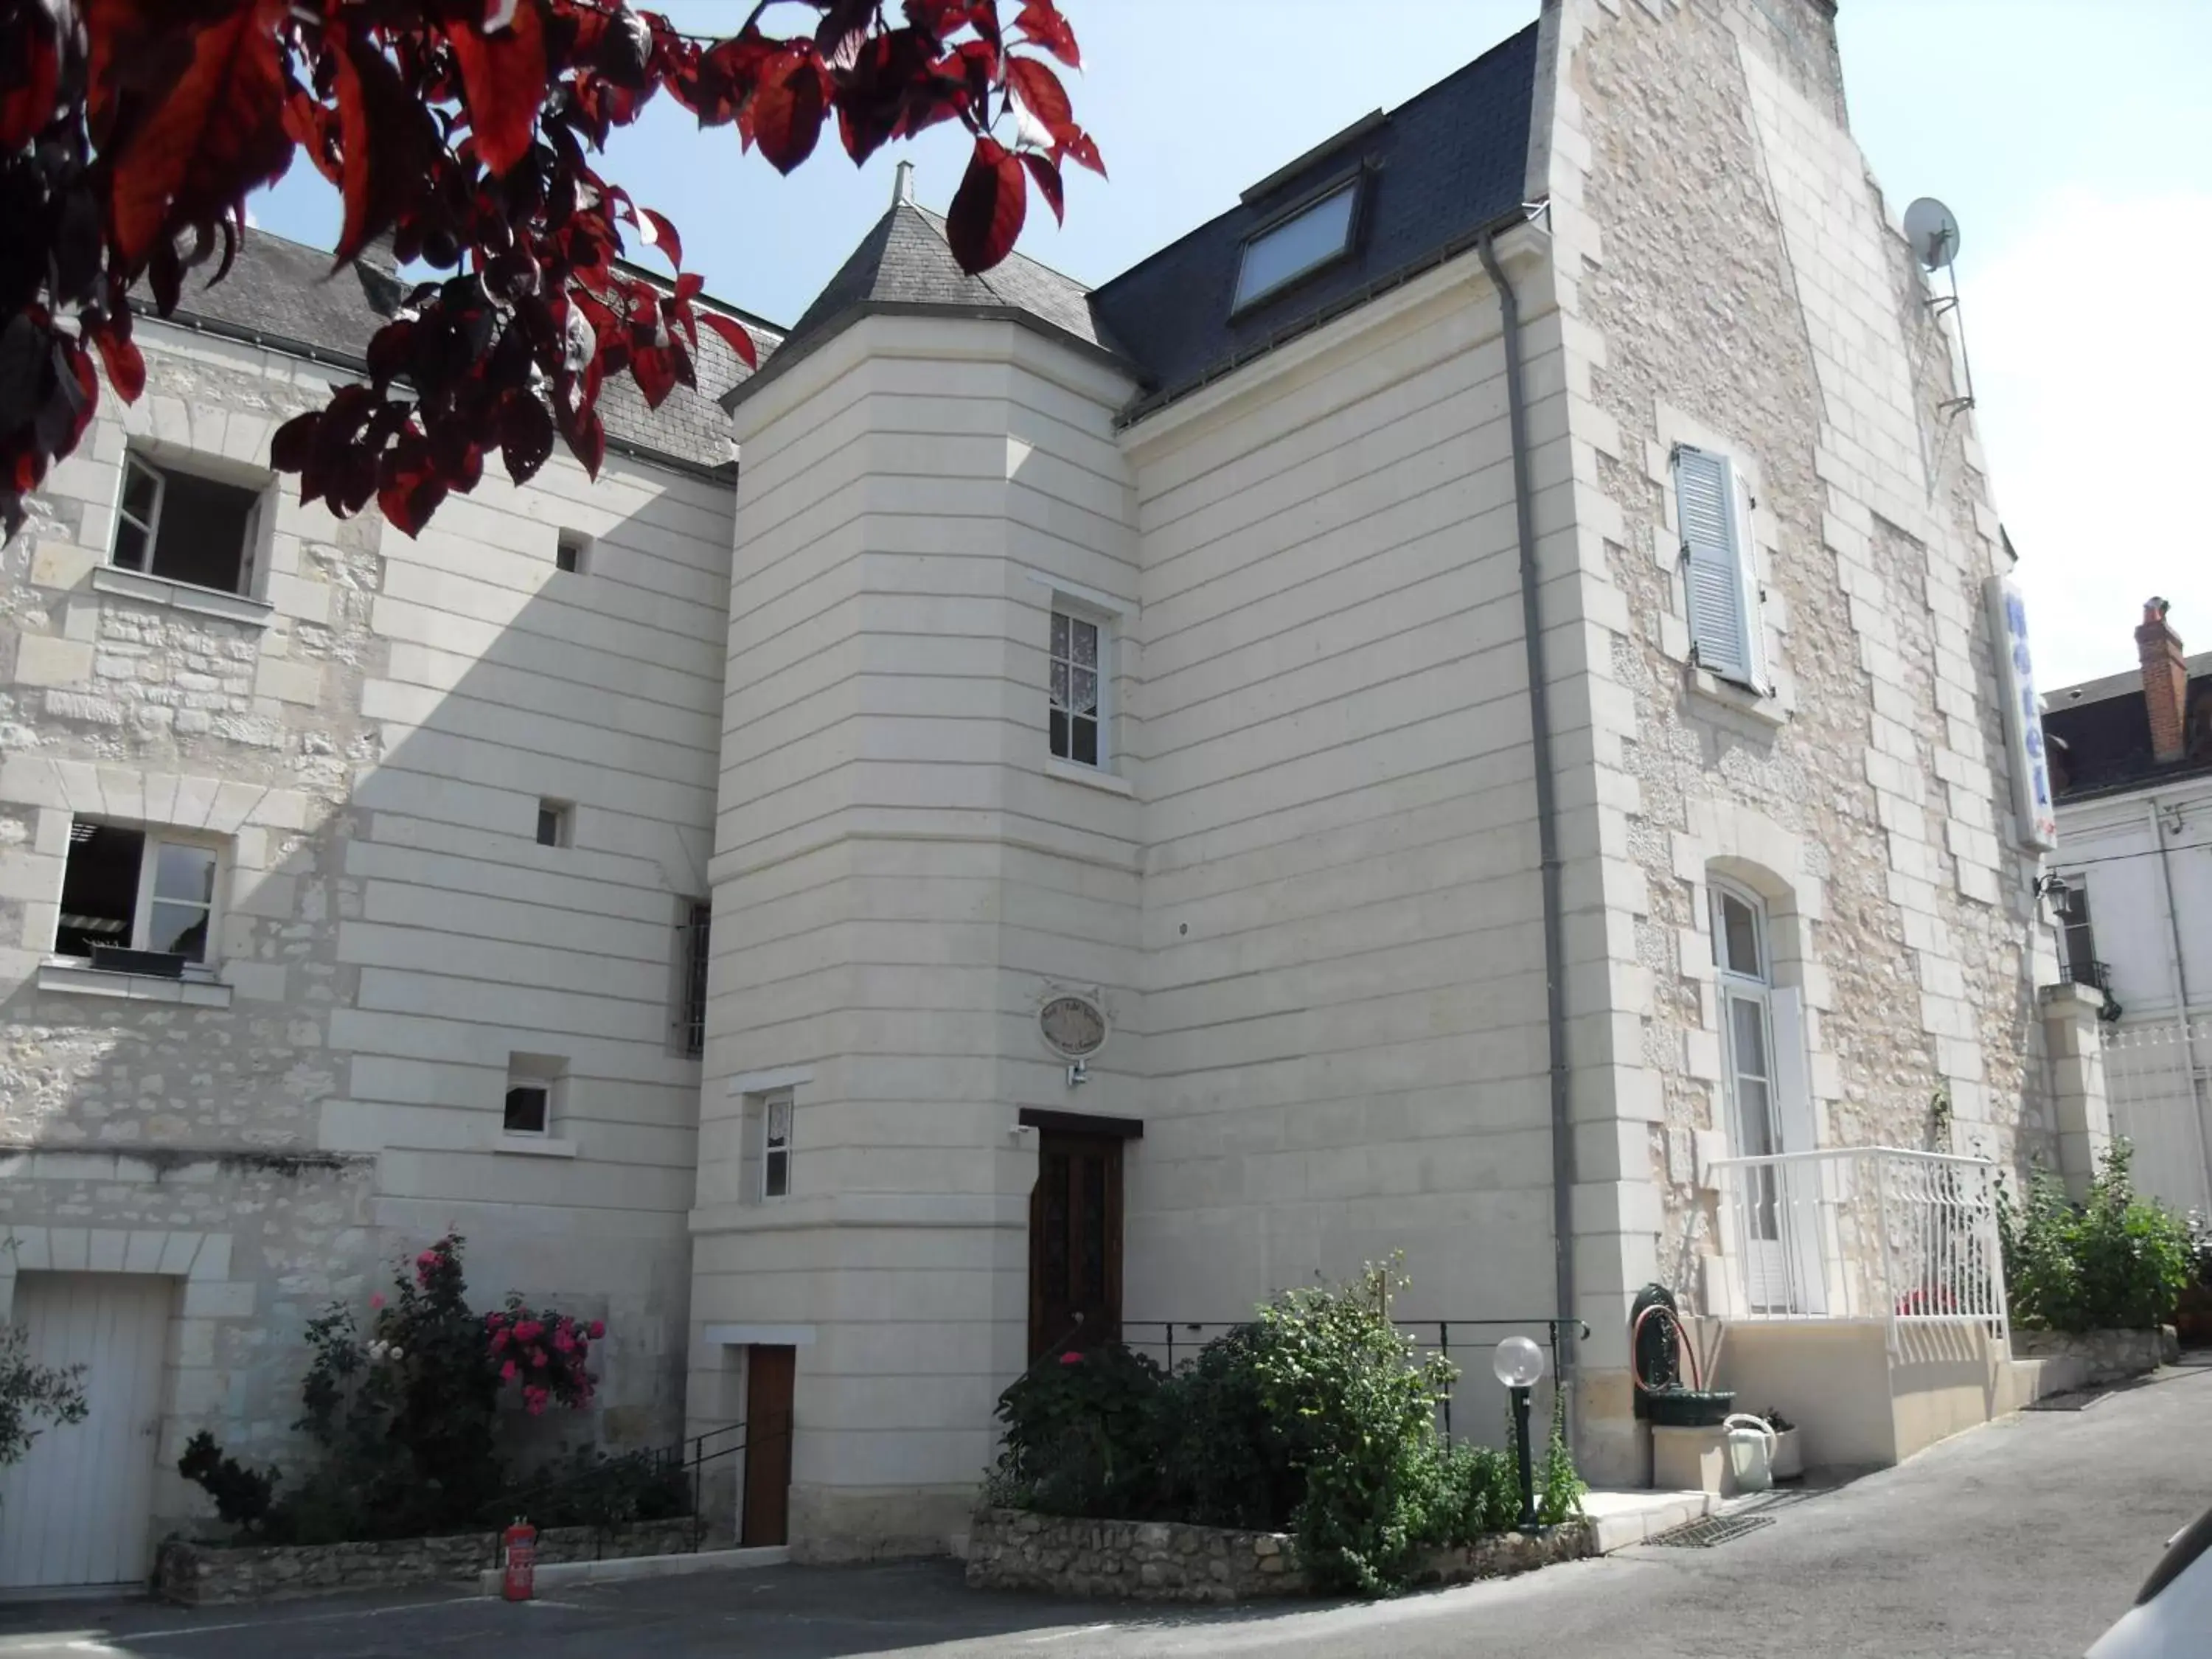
(2024, 1538)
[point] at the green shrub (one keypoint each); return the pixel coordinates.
(1559, 1485)
(1317, 1417)
(1082, 1435)
(2118, 1261)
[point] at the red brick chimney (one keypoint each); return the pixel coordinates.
(2165, 681)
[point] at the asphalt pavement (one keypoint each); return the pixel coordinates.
(2026, 1537)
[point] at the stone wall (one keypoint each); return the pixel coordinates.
(1163, 1561)
(2105, 1356)
(205, 1575)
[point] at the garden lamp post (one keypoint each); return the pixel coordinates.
(1518, 1364)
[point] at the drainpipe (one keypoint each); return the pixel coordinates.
(2180, 978)
(1548, 828)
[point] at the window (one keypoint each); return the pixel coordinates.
(692, 1017)
(1291, 248)
(1077, 668)
(554, 819)
(2077, 954)
(533, 1081)
(1719, 585)
(572, 551)
(775, 1143)
(140, 903)
(185, 528)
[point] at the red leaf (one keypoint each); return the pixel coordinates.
(1041, 21)
(1047, 180)
(503, 75)
(1040, 92)
(125, 366)
(733, 333)
(525, 435)
(662, 234)
(216, 133)
(587, 439)
(987, 209)
(655, 371)
(1079, 147)
(293, 444)
(26, 100)
(385, 143)
(786, 111)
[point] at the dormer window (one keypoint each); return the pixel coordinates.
(1300, 242)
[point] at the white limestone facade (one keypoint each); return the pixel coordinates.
(363, 737)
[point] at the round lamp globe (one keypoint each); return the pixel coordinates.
(1518, 1363)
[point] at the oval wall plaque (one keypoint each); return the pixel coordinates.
(1073, 1026)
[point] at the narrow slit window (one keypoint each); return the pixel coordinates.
(555, 822)
(775, 1145)
(1077, 670)
(1289, 249)
(572, 553)
(185, 528)
(693, 1017)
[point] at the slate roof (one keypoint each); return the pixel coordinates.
(284, 294)
(1446, 164)
(905, 262)
(2102, 733)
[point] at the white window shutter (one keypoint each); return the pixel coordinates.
(1720, 587)
(1798, 1122)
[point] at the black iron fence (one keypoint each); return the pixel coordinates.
(1467, 1343)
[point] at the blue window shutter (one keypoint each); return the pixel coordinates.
(1718, 578)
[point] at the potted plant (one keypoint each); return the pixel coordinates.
(1789, 1461)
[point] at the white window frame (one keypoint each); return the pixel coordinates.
(776, 1151)
(157, 465)
(153, 838)
(1090, 616)
(1351, 187)
(1707, 544)
(548, 1074)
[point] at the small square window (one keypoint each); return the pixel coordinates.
(185, 528)
(572, 552)
(1078, 670)
(141, 901)
(533, 1081)
(529, 1109)
(554, 820)
(775, 1145)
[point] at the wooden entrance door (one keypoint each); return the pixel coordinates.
(769, 1375)
(1075, 1242)
(77, 1509)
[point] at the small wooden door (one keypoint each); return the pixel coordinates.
(77, 1509)
(1075, 1242)
(770, 1373)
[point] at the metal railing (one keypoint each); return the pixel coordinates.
(1467, 1342)
(1863, 1233)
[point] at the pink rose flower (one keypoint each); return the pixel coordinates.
(506, 1372)
(598, 1330)
(498, 1340)
(1071, 1358)
(376, 1298)
(537, 1357)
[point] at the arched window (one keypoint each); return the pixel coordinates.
(1746, 983)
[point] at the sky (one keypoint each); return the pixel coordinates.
(2073, 139)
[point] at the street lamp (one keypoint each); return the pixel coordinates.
(1518, 1364)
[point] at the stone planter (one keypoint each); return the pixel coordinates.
(2101, 1356)
(205, 1575)
(1166, 1561)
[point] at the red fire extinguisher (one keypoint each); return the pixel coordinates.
(519, 1583)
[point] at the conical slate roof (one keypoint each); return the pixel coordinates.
(905, 263)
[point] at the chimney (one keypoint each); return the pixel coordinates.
(902, 186)
(2165, 682)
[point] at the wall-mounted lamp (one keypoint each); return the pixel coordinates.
(1078, 1073)
(2055, 888)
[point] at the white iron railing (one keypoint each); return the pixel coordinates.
(1863, 1232)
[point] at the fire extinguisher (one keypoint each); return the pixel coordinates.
(519, 1583)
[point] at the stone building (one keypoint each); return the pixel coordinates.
(1219, 777)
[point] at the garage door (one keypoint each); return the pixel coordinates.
(78, 1510)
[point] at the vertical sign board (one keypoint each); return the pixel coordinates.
(2037, 816)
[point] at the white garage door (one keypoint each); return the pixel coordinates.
(77, 1509)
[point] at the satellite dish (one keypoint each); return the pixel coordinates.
(1933, 230)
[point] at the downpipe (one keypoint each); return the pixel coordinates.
(1547, 834)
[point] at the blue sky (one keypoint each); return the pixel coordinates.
(2073, 142)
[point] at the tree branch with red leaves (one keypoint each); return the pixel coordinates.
(132, 131)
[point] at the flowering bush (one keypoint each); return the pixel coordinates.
(404, 1412)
